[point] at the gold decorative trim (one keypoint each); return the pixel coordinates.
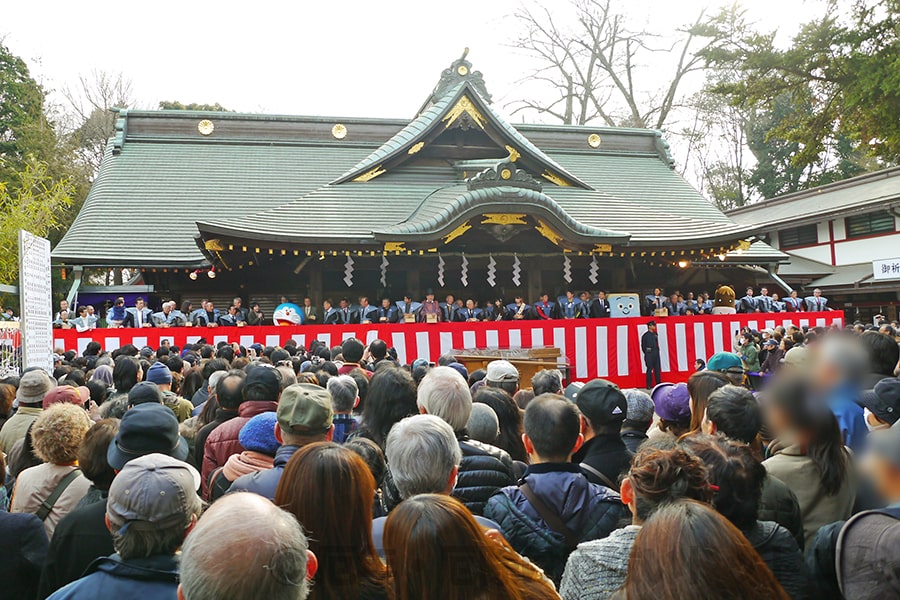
(548, 233)
(602, 248)
(395, 246)
(464, 227)
(464, 106)
(594, 140)
(503, 219)
(369, 175)
(463, 70)
(416, 147)
(553, 178)
(214, 244)
(513, 154)
(339, 131)
(505, 174)
(206, 127)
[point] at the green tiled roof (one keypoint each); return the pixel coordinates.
(288, 180)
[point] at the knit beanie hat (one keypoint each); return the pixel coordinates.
(258, 434)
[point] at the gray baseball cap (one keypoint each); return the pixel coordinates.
(640, 406)
(152, 491)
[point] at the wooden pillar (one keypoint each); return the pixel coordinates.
(315, 281)
(533, 280)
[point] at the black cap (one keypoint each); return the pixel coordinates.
(602, 402)
(146, 429)
(144, 393)
(265, 377)
(884, 400)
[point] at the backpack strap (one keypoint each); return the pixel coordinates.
(603, 478)
(47, 505)
(549, 517)
(893, 511)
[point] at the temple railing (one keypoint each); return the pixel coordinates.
(607, 348)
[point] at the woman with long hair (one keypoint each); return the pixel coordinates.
(510, 417)
(700, 385)
(688, 550)
(331, 491)
(436, 550)
(596, 569)
(391, 397)
(808, 453)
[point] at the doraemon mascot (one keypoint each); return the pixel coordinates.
(287, 314)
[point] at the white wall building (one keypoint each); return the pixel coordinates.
(832, 234)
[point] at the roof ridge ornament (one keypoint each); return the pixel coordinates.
(459, 70)
(504, 173)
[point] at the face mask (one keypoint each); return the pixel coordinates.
(869, 426)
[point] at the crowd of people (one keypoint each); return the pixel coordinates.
(217, 472)
(571, 305)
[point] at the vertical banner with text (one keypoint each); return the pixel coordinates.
(35, 296)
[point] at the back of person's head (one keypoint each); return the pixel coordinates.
(267, 554)
(444, 393)
(553, 428)
(92, 453)
(314, 476)
(700, 385)
(446, 359)
(372, 454)
(509, 417)
(884, 352)
(522, 398)
(58, 431)
(230, 390)
(483, 425)
(660, 477)
(352, 350)
(688, 550)
(225, 353)
(547, 381)
(431, 539)
(213, 365)
(344, 393)
(735, 413)
(125, 373)
(795, 410)
(378, 349)
(391, 397)
(735, 472)
(423, 454)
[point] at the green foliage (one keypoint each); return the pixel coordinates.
(175, 105)
(22, 123)
(823, 104)
(34, 201)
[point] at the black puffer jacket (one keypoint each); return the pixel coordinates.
(778, 503)
(779, 551)
(484, 470)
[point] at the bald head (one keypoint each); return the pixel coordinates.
(266, 555)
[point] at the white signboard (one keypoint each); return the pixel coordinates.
(886, 268)
(35, 295)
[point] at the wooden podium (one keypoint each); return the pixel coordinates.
(527, 360)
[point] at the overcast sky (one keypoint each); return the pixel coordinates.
(340, 58)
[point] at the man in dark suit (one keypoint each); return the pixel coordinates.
(764, 302)
(544, 309)
(138, 315)
(449, 307)
(365, 313)
(345, 312)
(748, 304)
(469, 314)
(650, 348)
(386, 313)
(310, 312)
(331, 315)
(600, 306)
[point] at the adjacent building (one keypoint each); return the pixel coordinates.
(832, 234)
